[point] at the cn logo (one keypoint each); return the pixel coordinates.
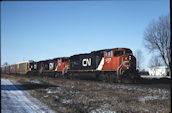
(86, 62)
(108, 60)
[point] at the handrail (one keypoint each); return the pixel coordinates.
(120, 67)
(65, 69)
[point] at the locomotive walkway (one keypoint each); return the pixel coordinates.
(15, 99)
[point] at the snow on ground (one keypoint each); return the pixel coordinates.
(93, 99)
(14, 100)
(83, 96)
(147, 98)
(134, 88)
(35, 81)
(151, 77)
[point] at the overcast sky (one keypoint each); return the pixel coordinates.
(44, 30)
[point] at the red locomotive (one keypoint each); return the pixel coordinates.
(113, 65)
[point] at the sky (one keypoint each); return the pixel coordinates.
(49, 29)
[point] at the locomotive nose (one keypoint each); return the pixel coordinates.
(132, 61)
(128, 61)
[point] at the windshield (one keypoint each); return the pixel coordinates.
(118, 53)
(64, 60)
(128, 52)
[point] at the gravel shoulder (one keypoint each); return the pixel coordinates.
(81, 96)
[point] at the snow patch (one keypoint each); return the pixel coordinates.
(102, 111)
(46, 96)
(147, 98)
(152, 77)
(20, 101)
(36, 81)
(138, 88)
(65, 101)
(49, 92)
(57, 97)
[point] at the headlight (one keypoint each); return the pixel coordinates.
(129, 57)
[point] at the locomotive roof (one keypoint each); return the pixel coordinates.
(29, 61)
(51, 59)
(59, 57)
(110, 49)
(99, 51)
(113, 49)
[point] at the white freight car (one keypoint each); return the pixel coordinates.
(159, 71)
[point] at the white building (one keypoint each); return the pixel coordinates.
(159, 71)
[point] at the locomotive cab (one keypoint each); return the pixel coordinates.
(62, 63)
(119, 59)
(126, 58)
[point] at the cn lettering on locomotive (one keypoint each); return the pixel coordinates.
(86, 62)
(108, 60)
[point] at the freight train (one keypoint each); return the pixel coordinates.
(110, 65)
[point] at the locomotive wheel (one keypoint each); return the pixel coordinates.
(111, 78)
(55, 75)
(126, 80)
(127, 77)
(119, 81)
(102, 77)
(69, 76)
(64, 76)
(106, 78)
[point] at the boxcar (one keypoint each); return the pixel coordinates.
(23, 68)
(13, 69)
(3, 69)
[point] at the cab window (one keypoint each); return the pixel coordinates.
(118, 53)
(64, 60)
(128, 52)
(59, 60)
(108, 53)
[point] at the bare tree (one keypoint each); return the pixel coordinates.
(155, 61)
(139, 59)
(157, 38)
